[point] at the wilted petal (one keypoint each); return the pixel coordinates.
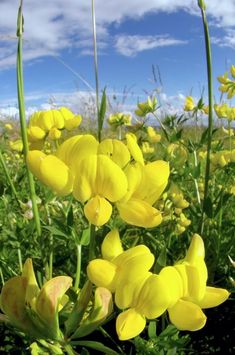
(32, 289)
(48, 300)
(187, 316)
(154, 297)
(102, 273)
(111, 245)
(129, 324)
(115, 150)
(213, 297)
(98, 211)
(139, 213)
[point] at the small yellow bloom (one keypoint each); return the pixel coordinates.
(16, 145)
(8, 126)
(189, 104)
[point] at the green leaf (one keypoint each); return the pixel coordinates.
(152, 329)
(85, 239)
(55, 231)
(161, 261)
(196, 171)
(70, 219)
(96, 346)
(102, 109)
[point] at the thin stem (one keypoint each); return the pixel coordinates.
(230, 137)
(96, 65)
(195, 180)
(10, 182)
(69, 350)
(92, 242)
(210, 114)
(20, 259)
(1, 276)
(20, 90)
(162, 126)
(78, 269)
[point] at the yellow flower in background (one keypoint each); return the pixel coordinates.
(119, 119)
(8, 126)
(16, 145)
(177, 197)
(205, 109)
(149, 106)
(177, 153)
(189, 104)
(134, 148)
(153, 136)
(221, 110)
(50, 123)
(146, 148)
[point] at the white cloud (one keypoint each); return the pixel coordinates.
(226, 41)
(131, 45)
(51, 26)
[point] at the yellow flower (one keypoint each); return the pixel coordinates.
(119, 119)
(146, 107)
(8, 126)
(154, 137)
(146, 148)
(221, 110)
(54, 134)
(145, 185)
(99, 180)
(189, 104)
(16, 145)
(115, 150)
(178, 154)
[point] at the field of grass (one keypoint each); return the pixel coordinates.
(118, 240)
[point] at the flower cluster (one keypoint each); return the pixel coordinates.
(222, 158)
(225, 111)
(50, 123)
(141, 295)
(228, 84)
(149, 106)
(101, 174)
(119, 119)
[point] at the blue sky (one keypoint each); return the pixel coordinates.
(132, 36)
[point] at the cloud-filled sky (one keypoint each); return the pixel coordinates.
(133, 36)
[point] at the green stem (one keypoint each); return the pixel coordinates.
(96, 66)
(20, 90)
(69, 350)
(20, 259)
(230, 137)
(195, 180)
(162, 126)
(92, 242)
(10, 182)
(210, 114)
(1, 276)
(78, 269)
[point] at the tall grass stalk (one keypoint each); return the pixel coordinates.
(20, 91)
(202, 7)
(96, 67)
(8, 177)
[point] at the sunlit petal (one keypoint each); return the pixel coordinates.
(129, 324)
(98, 210)
(102, 273)
(213, 297)
(111, 245)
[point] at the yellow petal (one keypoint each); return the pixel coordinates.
(197, 277)
(139, 213)
(34, 159)
(115, 150)
(129, 324)
(85, 179)
(213, 297)
(102, 273)
(35, 133)
(64, 150)
(154, 297)
(58, 119)
(134, 149)
(128, 289)
(154, 181)
(66, 113)
(196, 250)
(111, 245)
(187, 316)
(175, 284)
(134, 174)
(46, 120)
(73, 123)
(56, 175)
(111, 181)
(98, 211)
(54, 133)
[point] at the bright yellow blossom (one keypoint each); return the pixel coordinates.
(189, 104)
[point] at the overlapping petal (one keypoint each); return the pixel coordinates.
(129, 324)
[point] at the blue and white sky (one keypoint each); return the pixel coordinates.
(132, 35)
